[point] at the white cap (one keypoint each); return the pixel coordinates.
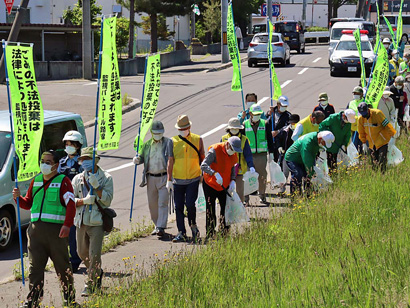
(387, 91)
(386, 40)
(350, 115)
(283, 101)
(327, 136)
(394, 52)
(73, 135)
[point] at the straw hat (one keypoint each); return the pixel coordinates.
(183, 122)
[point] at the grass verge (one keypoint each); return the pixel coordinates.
(348, 246)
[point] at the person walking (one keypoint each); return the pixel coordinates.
(404, 66)
(386, 105)
(324, 105)
(259, 134)
(396, 61)
(184, 174)
(399, 98)
(219, 178)
(239, 37)
(50, 200)
(93, 188)
(375, 129)
(69, 166)
(154, 155)
(340, 126)
(250, 99)
(301, 157)
(245, 160)
(308, 125)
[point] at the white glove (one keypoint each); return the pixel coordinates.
(170, 186)
(92, 179)
(365, 148)
(136, 160)
(90, 199)
(218, 178)
(344, 148)
(252, 169)
(232, 186)
(281, 150)
(270, 159)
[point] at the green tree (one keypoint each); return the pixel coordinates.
(242, 10)
(162, 28)
(74, 15)
(212, 18)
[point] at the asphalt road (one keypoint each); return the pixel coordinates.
(207, 100)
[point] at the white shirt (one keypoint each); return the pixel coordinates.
(238, 32)
(156, 158)
(297, 132)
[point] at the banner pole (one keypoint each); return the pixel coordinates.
(138, 140)
(371, 71)
(4, 43)
(270, 72)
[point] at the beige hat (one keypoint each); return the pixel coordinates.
(183, 122)
(323, 97)
(234, 123)
(88, 152)
(387, 91)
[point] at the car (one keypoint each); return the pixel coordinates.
(257, 50)
(258, 28)
(293, 33)
(343, 19)
(345, 57)
(56, 124)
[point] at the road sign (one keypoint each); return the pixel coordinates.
(275, 9)
(9, 5)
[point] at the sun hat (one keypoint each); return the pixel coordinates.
(234, 123)
(183, 122)
(88, 152)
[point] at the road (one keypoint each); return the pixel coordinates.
(207, 100)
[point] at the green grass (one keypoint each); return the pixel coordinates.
(348, 246)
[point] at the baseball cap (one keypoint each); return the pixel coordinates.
(358, 90)
(323, 97)
(256, 109)
(350, 115)
(157, 127)
(327, 136)
(363, 108)
(283, 101)
(235, 143)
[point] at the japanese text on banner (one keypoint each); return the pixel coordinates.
(28, 118)
(233, 52)
(110, 111)
(357, 38)
(379, 78)
(277, 90)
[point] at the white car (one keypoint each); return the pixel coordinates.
(257, 50)
(345, 57)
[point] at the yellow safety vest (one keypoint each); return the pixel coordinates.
(308, 127)
(186, 166)
(243, 166)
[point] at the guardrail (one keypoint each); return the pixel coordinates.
(317, 37)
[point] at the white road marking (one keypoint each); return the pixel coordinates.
(214, 130)
(120, 167)
(302, 71)
(90, 83)
(285, 83)
(314, 61)
(263, 100)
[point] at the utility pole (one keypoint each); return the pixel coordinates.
(14, 32)
(224, 27)
(87, 60)
(192, 25)
(269, 10)
(304, 14)
(131, 32)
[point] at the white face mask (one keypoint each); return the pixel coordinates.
(230, 152)
(256, 118)
(282, 109)
(46, 169)
(405, 59)
(324, 103)
(184, 133)
(396, 58)
(357, 97)
(249, 104)
(234, 131)
(70, 150)
(157, 137)
(386, 46)
(398, 87)
(385, 95)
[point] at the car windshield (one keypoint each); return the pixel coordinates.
(264, 39)
(351, 45)
(337, 33)
(5, 142)
(258, 28)
(285, 27)
(370, 28)
(391, 19)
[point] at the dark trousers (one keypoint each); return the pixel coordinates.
(298, 173)
(332, 161)
(185, 195)
(379, 157)
(357, 143)
(74, 258)
(210, 197)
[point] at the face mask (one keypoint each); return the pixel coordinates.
(396, 58)
(230, 152)
(70, 150)
(385, 95)
(405, 59)
(46, 169)
(399, 87)
(184, 133)
(157, 137)
(324, 103)
(357, 97)
(234, 131)
(87, 164)
(386, 46)
(249, 104)
(282, 109)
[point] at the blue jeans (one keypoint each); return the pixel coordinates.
(74, 258)
(185, 195)
(298, 173)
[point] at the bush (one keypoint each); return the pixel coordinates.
(316, 29)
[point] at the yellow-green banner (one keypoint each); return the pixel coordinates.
(399, 30)
(110, 111)
(393, 38)
(28, 118)
(357, 38)
(151, 95)
(277, 90)
(233, 52)
(379, 78)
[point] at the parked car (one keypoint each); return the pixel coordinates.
(259, 28)
(384, 30)
(257, 50)
(345, 57)
(343, 19)
(293, 33)
(56, 124)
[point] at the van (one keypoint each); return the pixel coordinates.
(384, 30)
(343, 19)
(293, 33)
(56, 124)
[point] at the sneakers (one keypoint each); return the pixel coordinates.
(195, 233)
(181, 237)
(161, 232)
(262, 199)
(155, 231)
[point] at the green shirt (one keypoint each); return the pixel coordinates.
(341, 130)
(304, 152)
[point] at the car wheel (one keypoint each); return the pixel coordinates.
(251, 63)
(283, 62)
(288, 60)
(6, 230)
(303, 49)
(298, 50)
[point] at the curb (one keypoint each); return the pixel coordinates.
(223, 66)
(131, 106)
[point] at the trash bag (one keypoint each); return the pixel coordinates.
(200, 202)
(321, 178)
(406, 116)
(276, 175)
(394, 155)
(235, 212)
(353, 155)
(343, 158)
(251, 183)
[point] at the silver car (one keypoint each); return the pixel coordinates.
(257, 50)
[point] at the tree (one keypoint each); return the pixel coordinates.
(334, 5)
(212, 18)
(242, 10)
(74, 16)
(162, 28)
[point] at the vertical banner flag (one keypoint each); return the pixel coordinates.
(399, 30)
(379, 78)
(110, 111)
(233, 52)
(276, 85)
(28, 118)
(9, 5)
(357, 38)
(377, 27)
(394, 40)
(151, 95)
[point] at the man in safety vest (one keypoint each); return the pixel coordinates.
(404, 66)
(219, 177)
(245, 160)
(50, 199)
(396, 61)
(184, 174)
(259, 134)
(308, 125)
(357, 99)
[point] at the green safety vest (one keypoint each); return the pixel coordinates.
(47, 206)
(260, 145)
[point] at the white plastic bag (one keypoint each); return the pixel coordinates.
(353, 154)
(276, 175)
(251, 183)
(406, 116)
(342, 158)
(321, 178)
(235, 212)
(200, 202)
(394, 155)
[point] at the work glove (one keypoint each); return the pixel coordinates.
(270, 159)
(344, 148)
(136, 160)
(90, 199)
(365, 148)
(252, 169)
(232, 186)
(169, 186)
(218, 178)
(281, 150)
(92, 179)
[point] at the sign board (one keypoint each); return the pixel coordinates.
(9, 5)
(275, 10)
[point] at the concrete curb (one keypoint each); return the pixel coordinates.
(131, 106)
(223, 66)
